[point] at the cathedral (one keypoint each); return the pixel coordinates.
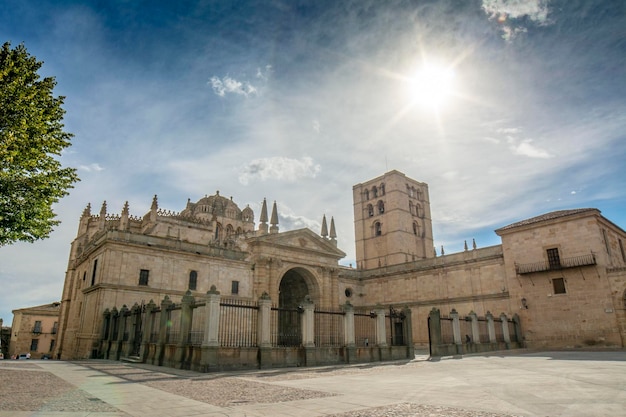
(563, 274)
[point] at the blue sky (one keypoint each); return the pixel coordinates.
(297, 101)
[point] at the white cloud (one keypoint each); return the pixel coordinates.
(504, 11)
(224, 85)
(95, 167)
(264, 74)
(526, 148)
(279, 168)
(316, 126)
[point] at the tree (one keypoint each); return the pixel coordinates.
(31, 139)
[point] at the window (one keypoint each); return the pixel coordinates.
(381, 207)
(367, 195)
(348, 292)
(84, 275)
(415, 229)
(558, 285)
(55, 328)
(52, 345)
(554, 261)
(193, 280)
(621, 248)
(374, 192)
(33, 344)
(93, 273)
(144, 274)
(377, 229)
(370, 210)
(37, 328)
(234, 287)
(382, 189)
(419, 212)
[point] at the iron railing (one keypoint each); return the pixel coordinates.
(574, 262)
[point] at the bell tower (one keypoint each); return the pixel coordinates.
(392, 222)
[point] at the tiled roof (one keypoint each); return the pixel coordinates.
(548, 216)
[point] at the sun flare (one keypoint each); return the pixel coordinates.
(432, 85)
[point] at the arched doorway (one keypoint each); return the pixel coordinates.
(294, 286)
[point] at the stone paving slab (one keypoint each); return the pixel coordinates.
(520, 384)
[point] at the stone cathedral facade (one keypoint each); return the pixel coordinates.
(563, 273)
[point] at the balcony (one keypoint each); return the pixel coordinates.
(574, 262)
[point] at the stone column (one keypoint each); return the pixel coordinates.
(456, 331)
(104, 333)
(264, 336)
(348, 332)
(381, 334)
(434, 332)
(408, 332)
(120, 332)
(163, 318)
(491, 328)
(475, 328)
(210, 341)
(518, 331)
(504, 321)
(308, 330)
(135, 321)
(147, 330)
(114, 324)
(186, 314)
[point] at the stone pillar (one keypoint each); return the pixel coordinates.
(491, 328)
(381, 335)
(210, 341)
(264, 336)
(308, 330)
(408, 332)
(147, 330)
(120, 332)
(135, 321)
(348, 333)
(434, 332)
(186, 314)
(504, 321)
(104, 333)
(114, 324)
(473, 346)
(163, 318)
(456, 331)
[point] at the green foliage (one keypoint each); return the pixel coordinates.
(31, 139)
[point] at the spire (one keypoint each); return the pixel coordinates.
(465, 246)
(324, 228)
(153, 209)
(333, 233)
(274, 219)
(87, 211)
(442, 252)
(124, 218)
(263, 218)
(474, 243)
(103, 215)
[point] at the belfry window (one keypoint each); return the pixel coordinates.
(370, 210)
(381, 207)
(193, 280)
(377, 229)
(416, 229)
(374, 192)
(367, 195)
(382, 189)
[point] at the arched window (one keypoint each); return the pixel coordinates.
(229, 230)
(381, 207)
(193, 280)
(378, 229)
(382, 189)
(370, 210)
(374, 192)
(420, 195)
(419, 211)
(367, 195)
(416, 229)
(218, 231)
(411, 207)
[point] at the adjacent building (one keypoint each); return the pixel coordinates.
(34, 331)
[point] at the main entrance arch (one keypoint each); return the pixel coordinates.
(295, 285)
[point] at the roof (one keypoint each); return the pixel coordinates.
(548, 216)
(52, 307)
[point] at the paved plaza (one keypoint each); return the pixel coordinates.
(547, 384)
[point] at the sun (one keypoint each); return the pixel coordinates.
(431, 85)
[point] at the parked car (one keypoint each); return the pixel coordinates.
(24, 356)
(46, 356)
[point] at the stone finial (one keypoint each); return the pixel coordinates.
(274, 219)
(125, 209)
(103, 209)
(465, 246)
(474, 243)
(263, 219)
(155, 203)
(213, 290)
(265, 296)
(333, 233)
(87, 211)
(324, 232)
(442, 252)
